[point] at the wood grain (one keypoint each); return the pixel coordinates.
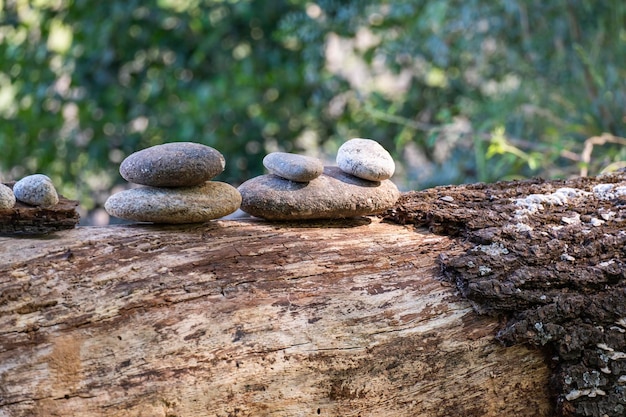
(247, 318)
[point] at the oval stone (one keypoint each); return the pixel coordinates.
(332, 195)
(176, 164)
(365, 158)
(294, 167)
(196, 204)
(7, 198)
(36, 190)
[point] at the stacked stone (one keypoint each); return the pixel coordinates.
(177, 186)
(300, 187)
(34, 190)
(7, 197)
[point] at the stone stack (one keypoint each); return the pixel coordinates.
(300, 188)
(177, 187)
(35, 190)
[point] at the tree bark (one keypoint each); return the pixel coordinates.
(249, 318)
(548, 258)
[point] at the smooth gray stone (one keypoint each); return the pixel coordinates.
(36, 190)
(7, 198)
(293, 167)
(332, 195)
(196, 204)
(176, 164)
(365, 158)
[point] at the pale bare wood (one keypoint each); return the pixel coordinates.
(246, 318)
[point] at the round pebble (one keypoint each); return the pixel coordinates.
(7, 198)
(36, 190)
(332, 195)
(299, 168)
(176, 164)
(365, 158)
(196, 204)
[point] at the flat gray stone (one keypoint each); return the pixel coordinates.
(176, 164)
(7, 198)
(293, 167)
(332, 195)
(365, 158)
(196, 204)
(36, 190)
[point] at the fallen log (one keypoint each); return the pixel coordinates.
(249, 318)
(520, 310)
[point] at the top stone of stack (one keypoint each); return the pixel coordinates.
(366, 159)
(176, 164)
(36, 190)
(293, 167)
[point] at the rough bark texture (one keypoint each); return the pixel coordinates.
(245, 318)
(24, 219)
(550, 257)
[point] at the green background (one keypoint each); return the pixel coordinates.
(457, 91)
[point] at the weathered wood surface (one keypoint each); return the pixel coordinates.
(245, 318)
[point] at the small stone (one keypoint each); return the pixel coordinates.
(176, 164)
(299, 168)
(36, 190)
(575, 219)
(332, 195)
(7, 198)
(596, 222)
(196, 204)
(365, 158)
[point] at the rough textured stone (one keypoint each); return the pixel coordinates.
(293, 167)
(7, 198)
(177, 164)
(334, 194)
(365, 158)
(36, 190)
(196, 204)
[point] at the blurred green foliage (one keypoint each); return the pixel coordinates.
(458, 91)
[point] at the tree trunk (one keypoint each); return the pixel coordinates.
(249, 318)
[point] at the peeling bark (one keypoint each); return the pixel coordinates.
(549, 257)
(247, 318)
